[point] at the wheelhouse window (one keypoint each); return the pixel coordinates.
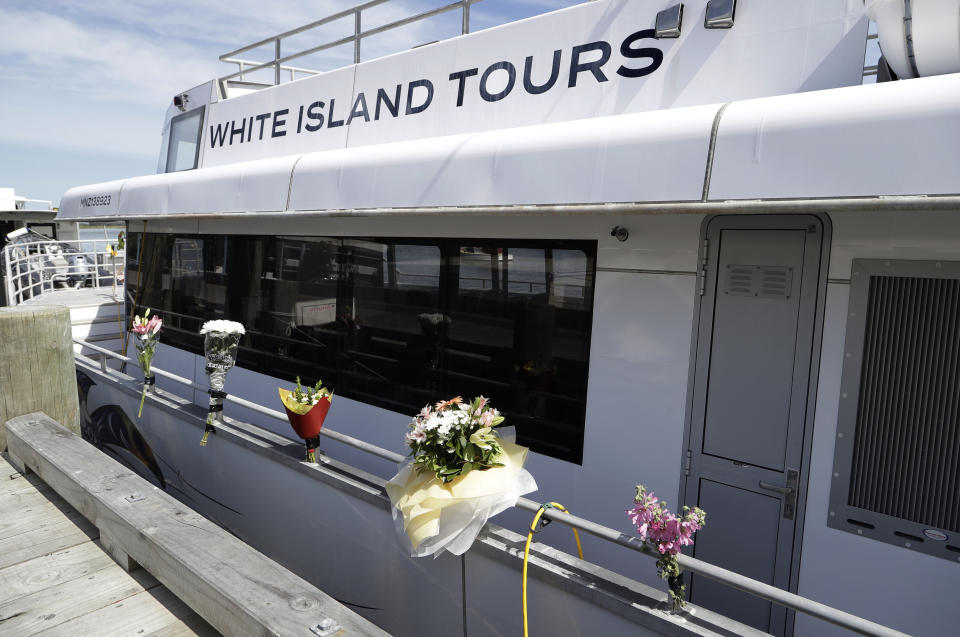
(396, 323)
(184, 147)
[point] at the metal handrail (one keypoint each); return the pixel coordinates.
(293, 70)
(722, 575)
(358, 35)
(23, 263)
(21, 203)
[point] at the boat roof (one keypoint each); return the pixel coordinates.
(13, 207)
(28, 215)
(886, 140)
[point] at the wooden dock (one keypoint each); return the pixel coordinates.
(56, 578)
(235, 588)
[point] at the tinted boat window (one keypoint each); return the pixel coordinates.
(284, 291)
(391, 295)
(396, 323)
(514, 334)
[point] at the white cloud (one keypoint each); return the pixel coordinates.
(99, 75)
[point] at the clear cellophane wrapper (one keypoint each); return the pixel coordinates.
(431, 516)
(220, 350)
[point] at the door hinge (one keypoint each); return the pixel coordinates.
(703, 266)
(686, 464)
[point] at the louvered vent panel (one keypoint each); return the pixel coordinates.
(768, 281)
(906, 456)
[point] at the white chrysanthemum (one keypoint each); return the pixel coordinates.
(224, 327)
(443, 431)
(450, 418)
(432, 422)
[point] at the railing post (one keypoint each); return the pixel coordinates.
(96, 267)
(356, 36)
(276, 61)
(466, 17)
(9, 274)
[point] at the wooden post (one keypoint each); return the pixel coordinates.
(37, 371)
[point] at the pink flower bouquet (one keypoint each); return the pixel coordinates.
(668, 534)
(147, 332)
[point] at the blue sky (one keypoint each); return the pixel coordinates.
(85, 83)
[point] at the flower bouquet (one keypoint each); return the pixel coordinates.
(147, 332)
(668, 534)
(306, 411)
(461, 473)
(220, 342)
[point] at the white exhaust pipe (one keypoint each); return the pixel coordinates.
(19, 232)
(918, 37)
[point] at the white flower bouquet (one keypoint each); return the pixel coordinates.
(221, 339)
(453, 438)
(461, 473)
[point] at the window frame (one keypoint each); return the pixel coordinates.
(170, 146)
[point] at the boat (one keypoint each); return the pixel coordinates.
(735, 277)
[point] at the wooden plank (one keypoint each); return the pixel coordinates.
(22, 484)
(45, 571)
(55, 605)
(60, 592)
(46, 540)
(154, 612)
(236, 589)
(28, 512)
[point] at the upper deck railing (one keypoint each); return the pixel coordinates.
(30, 269)
(278, 63)
(24, 203)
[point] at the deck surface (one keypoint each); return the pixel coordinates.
(55, 579)
(83, 297)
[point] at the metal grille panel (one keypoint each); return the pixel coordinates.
(906, 453)
(768, 281)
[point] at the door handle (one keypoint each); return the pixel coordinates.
(773, 487)
(789, 492)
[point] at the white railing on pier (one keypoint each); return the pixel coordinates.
(31, 269)
(722, 575)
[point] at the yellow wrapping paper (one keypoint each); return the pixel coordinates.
(448, 516)
(286, 397)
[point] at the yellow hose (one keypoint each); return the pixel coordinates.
(526, 551)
